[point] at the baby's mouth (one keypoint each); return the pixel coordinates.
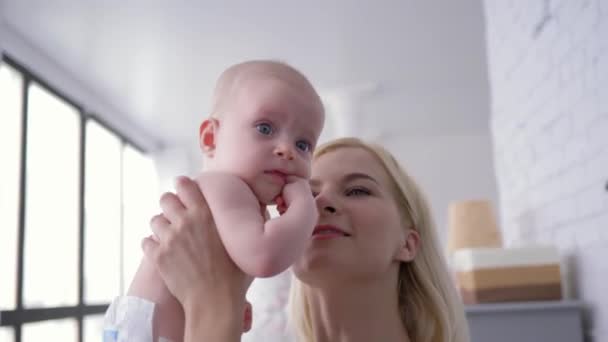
(277, 174)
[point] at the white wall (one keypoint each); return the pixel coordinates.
(2, 32)
(448, 168)
(176, 160)
(549, 78)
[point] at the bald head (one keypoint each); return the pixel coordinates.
(233, 78)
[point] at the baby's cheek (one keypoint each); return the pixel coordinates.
(306, 169)
(245, 166)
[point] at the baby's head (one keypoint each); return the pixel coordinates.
(265, 121)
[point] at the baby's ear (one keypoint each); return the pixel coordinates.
(207, 136)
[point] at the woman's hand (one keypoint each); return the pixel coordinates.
(191, 258)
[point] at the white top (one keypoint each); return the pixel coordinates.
(469, 259)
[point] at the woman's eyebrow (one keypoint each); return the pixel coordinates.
(358, 175)
(347, 178)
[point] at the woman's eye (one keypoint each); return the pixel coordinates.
(357, 192)
(303, 146)
(264, 128)
(315, 194)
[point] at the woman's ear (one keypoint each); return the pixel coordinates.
(207, 136)
(409, 246)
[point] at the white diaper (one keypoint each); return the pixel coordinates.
(129, 319)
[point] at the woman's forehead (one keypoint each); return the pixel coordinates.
(345, 161)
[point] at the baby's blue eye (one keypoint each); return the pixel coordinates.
(303, 146)
(264, 128)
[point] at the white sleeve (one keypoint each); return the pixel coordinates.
(128, 319)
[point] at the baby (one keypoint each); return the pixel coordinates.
(257, 144)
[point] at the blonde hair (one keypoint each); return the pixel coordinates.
(232, 79)
(429, 305)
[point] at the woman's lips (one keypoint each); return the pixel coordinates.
(328, 232)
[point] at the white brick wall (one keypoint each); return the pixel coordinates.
(548, 67)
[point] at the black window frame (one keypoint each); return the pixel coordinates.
(19, 315)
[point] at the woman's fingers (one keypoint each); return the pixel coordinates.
(150, 246)
(160, 226)
(189, 254)
(190, 194)
(171, 206)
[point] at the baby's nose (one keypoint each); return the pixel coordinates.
(284, 152)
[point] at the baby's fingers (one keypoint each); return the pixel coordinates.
(280, 202)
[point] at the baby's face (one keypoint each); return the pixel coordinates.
(269, 131)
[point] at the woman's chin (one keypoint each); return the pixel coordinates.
(317, 265)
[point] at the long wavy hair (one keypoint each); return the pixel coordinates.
(429, 305)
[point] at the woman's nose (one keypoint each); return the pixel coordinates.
(325, 205)
(329, 209)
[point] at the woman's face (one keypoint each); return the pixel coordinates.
(360, 232)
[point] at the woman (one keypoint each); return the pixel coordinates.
(372, 271)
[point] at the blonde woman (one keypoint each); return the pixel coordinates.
(372, 270)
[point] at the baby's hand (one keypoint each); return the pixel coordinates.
(296, 187)
(281, 206)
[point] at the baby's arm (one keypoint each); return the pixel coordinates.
(260, 249)
(168, 318)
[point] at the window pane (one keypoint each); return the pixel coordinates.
(102, 214)
(93, 328)
(140, 200)
(7, 334)
(64, 330)
(52, 195)
(11, 100)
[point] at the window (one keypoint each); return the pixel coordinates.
(11, 88)
(55, 330)
(140, 200)
(102, 214)
(52, 201)
(6, 334)
(93, 328)
(75, 203)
